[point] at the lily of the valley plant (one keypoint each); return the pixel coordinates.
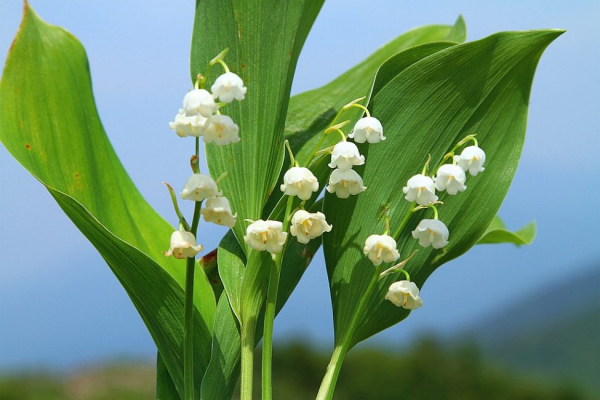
(412, 152)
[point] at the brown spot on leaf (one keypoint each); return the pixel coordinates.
(27, 146)
(243, 66)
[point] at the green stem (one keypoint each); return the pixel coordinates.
(248, 332)
(188, 339)
(404, 221)
(337, 358)
(323, 136)
(271, 308)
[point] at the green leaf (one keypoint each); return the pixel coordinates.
(480, 87)
(497, 233)
(49, 123)
(264, 38)
(310, 112)
(165, 387)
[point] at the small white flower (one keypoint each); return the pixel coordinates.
(306, 226)
(227, 87)
(381, 248)
(471, 159)
(199, 187)
(367, 129)
(199, 101)
(420, 188)
(404, 294)
(266, 235)
(183, 245)
(345, 183)
(188, 126)
(345, 155)
(218, 211)
(299, 181)
(431, 232)
(222, 130)
(450, 178)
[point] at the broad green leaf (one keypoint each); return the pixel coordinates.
(264, 38)
(49, 123)
(165, 387)
(497, 233)
(481, 87)
(310, 112)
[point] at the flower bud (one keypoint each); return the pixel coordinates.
(199, 187)
(471, 159)
(199, 101)
(306, 226)
(183, 245)
(404, 294)
(450, 178)
(345, 155)
(345, 183)
(420, 188)
(299, 181)
(227, 87)
(266, 235)
(431, 232)
(222, 130)
(218, 211)
(367, 129)
(381, 248)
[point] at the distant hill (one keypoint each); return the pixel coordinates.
(553, 333)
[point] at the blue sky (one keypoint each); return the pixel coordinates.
(60, 306)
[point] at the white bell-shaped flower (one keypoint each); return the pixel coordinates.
(431, 232)
(367, 129)
(299, 181)
(420, 188)
(266, 235)
(218, 211)
(404, 294)
(345, 155)
(199, 101)
(199, 187)
(306, 226)
(471, 159)
(381, 248)
(183, 245)
(450, 178)
(188, 126)
(222, 130)
(227, 87)
(345, 183)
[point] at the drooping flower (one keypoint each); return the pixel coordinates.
(266, 235)
(188, 126)
(199, 187)
(431, 232)
(227, 87)
(367, 129)
(471, 159)
(306, 226)
(345, 155)
(345, 183)
(199, 101)
(420, 188)
(222, 130)
(299, 181)
(404, 294)
(183, 245)
(218, 211)
(381, 248)
(450, 178)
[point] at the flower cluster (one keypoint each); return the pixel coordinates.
(201, 117)
(450, 178)
(344, 181)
